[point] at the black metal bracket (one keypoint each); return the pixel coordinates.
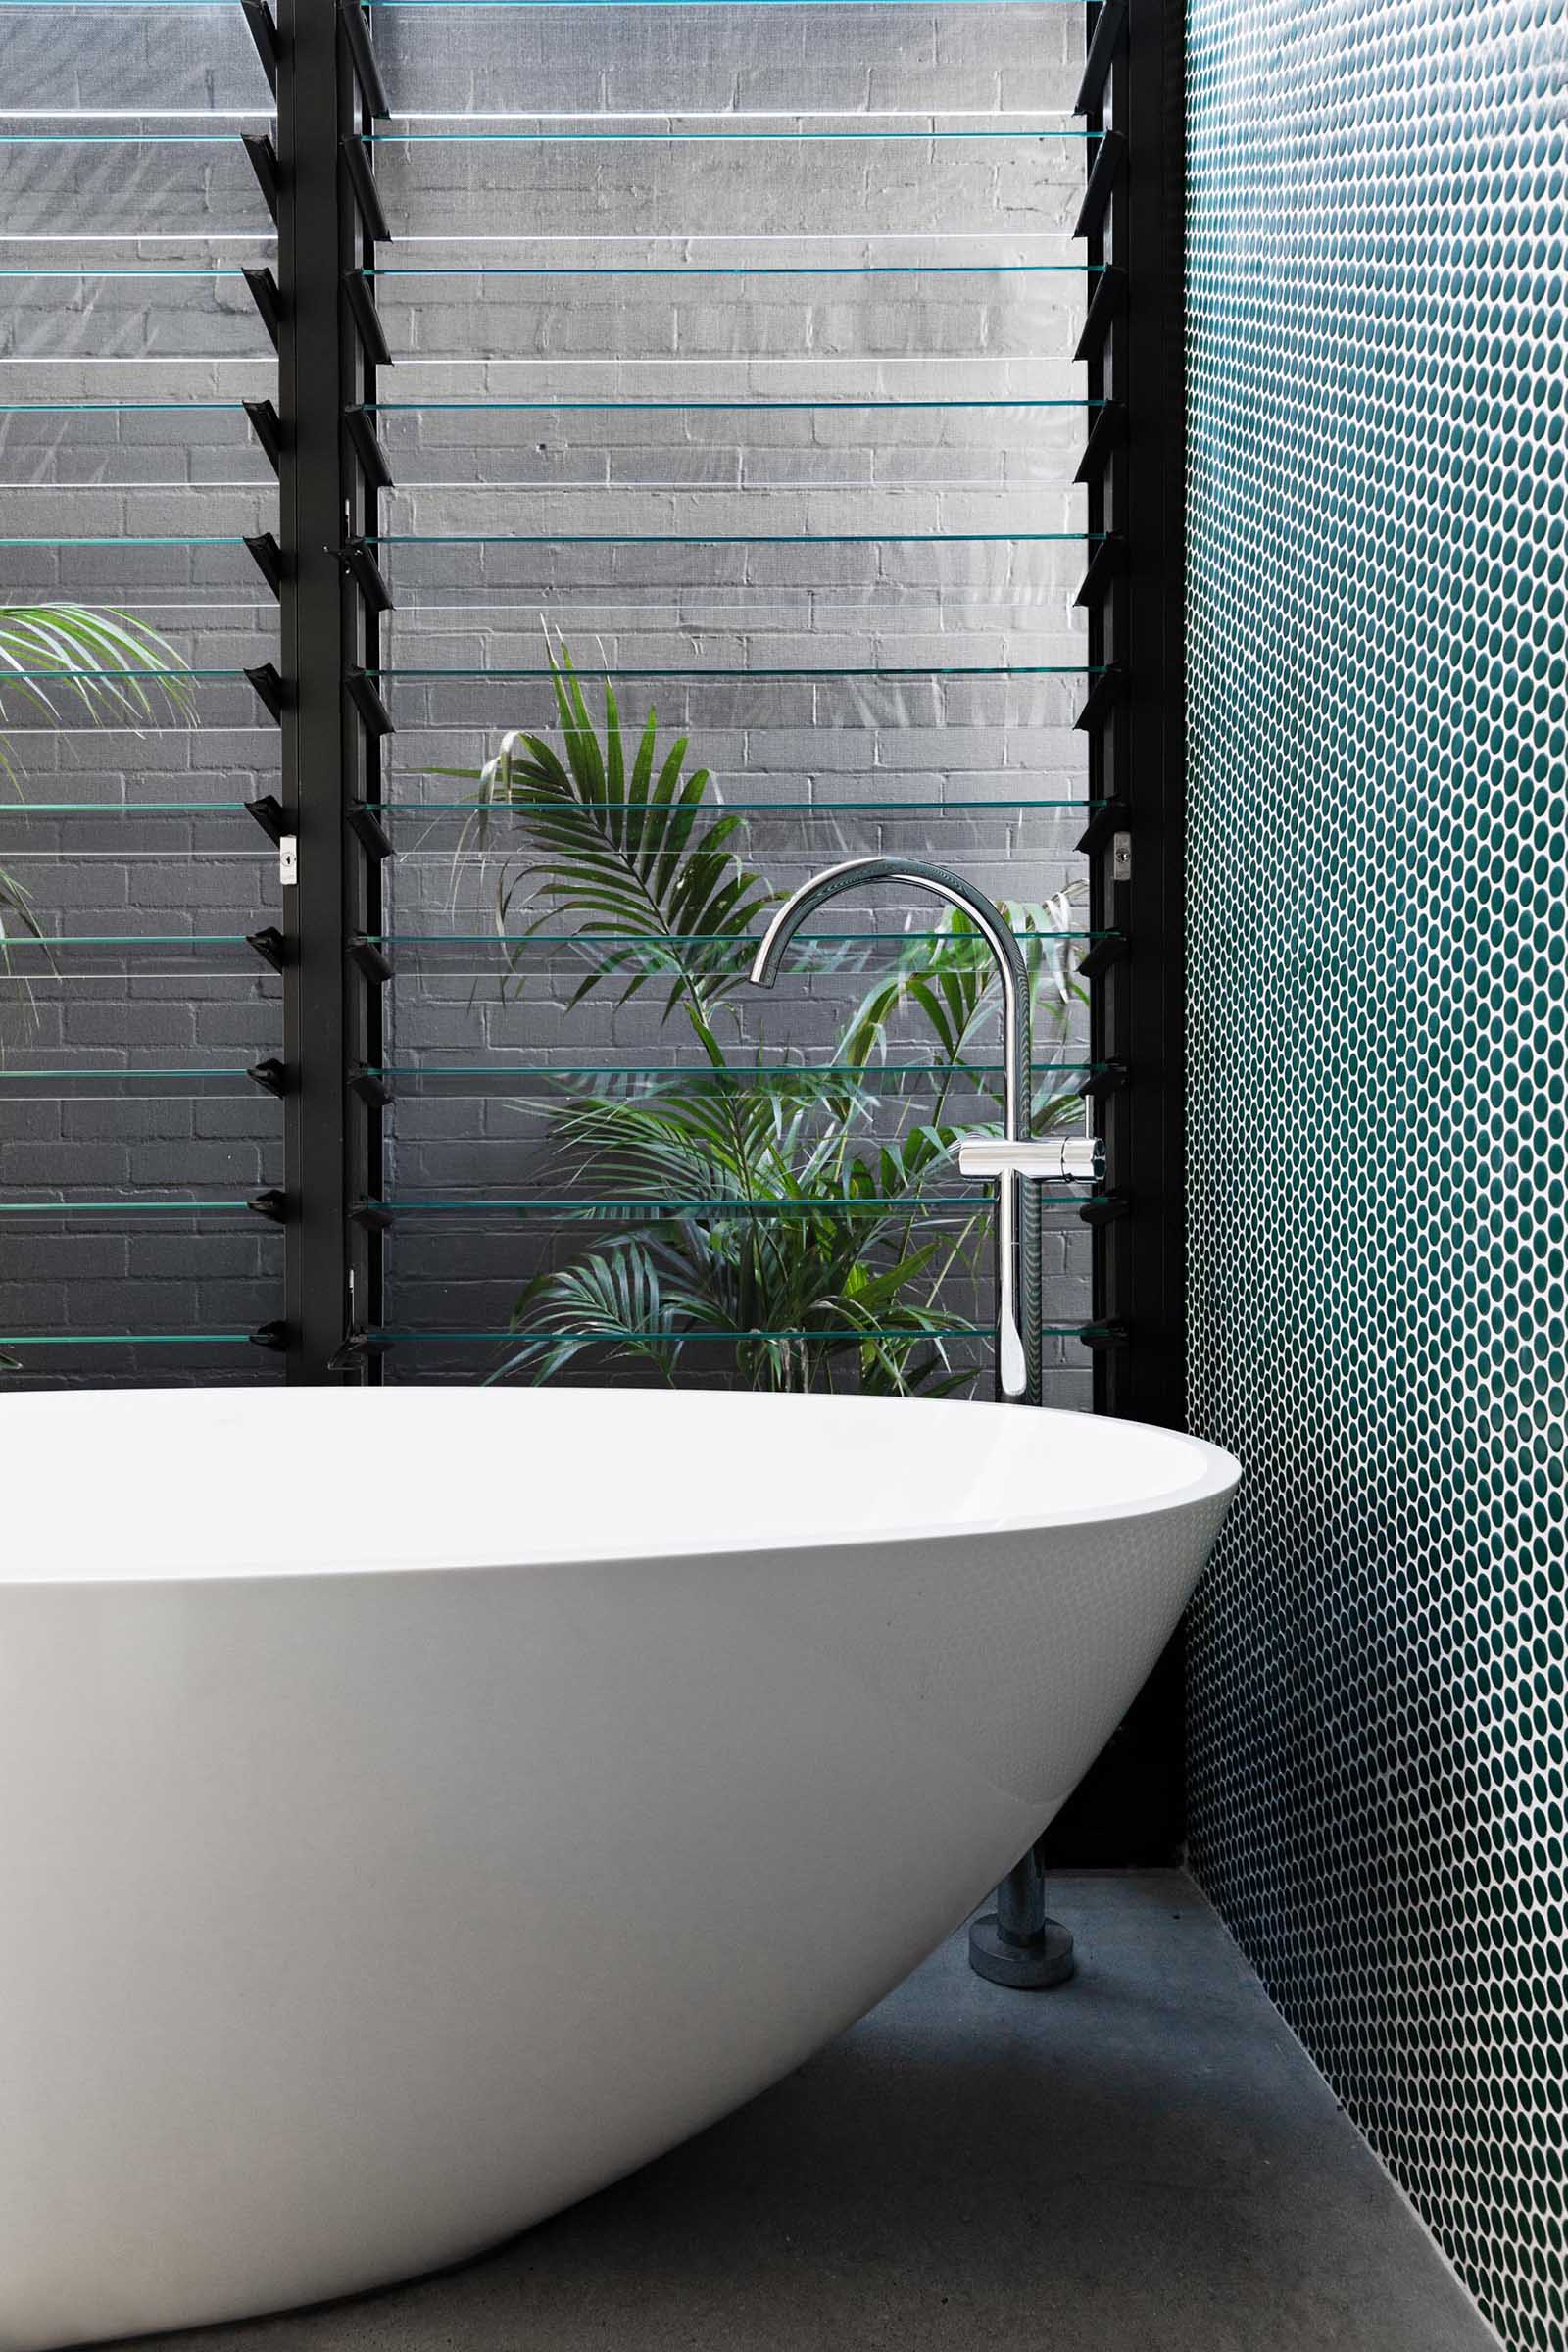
(269, 432)
(357, 1348)
(270, 814)
(274, 1337)
(361, 300)
(1108, 1079)
(370, 1087)
(1107, 1209)
(263, 676)
(269, 945)
(1105, 566)
(365, 697)
(270, 1075)
(367, 956)
(1102, 697)
(366, 73)
(366, 447)
(264, 293)
(1098, 1335)
(366, 195)
(263, 32)
(1104, 175)
(1107, 305)
(370, 1217)
(264, 163)
(1110, 25)
(1103, 955)
(372, 833)
(268, 558)
(1106, 435)
(1112, 816)
(272, 1205)
(367, 576)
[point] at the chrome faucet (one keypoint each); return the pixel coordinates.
(1017, 1162)
(1017, 1944)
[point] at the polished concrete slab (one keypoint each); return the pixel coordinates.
(1142, 2161)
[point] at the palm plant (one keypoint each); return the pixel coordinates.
(757, 1206)
(105, 663)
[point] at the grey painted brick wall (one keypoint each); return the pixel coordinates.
(808, 746)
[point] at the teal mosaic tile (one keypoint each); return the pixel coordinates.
(1379, 1072)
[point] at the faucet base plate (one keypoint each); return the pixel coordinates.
(1024, 1964)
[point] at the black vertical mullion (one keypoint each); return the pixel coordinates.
(326, 1015)
(1141, 1013)
(1128, 1809)
(1105, 510)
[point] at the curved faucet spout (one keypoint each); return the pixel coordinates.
(1017, 1239)
(937, 882)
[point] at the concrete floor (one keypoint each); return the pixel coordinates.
(1140, 2162)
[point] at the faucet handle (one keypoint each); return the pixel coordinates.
(1053, 1159)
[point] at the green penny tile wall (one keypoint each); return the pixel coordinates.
(1379, 1039)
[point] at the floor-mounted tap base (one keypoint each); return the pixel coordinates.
(1025, 1964)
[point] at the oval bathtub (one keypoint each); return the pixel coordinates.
(421, 1806)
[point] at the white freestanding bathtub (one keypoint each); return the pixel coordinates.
(418, 1807)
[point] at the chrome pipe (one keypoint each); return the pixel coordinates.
(1018, 1346)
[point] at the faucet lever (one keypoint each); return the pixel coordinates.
(1053, 1159)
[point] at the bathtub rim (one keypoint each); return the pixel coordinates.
(1217, 1474)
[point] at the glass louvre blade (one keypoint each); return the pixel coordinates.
(113, 1207)
(122, 1339)
(928, 134)
(565, 406)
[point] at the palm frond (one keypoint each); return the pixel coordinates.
(107, 663)
(614, 1298)
(636, 856)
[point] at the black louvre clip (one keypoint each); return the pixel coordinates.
(269, 945)
(1115, 816)
(1106, 436)
(368, 829)
(370, 1217)
(1103, 42)
(358, 1345)
(1102, 955)
(1102, 697)
(270, 1075)
(1106, 305)
(272, 1336)
(270, 814)
(366, 73)
(1098, 1335)
(268, 686)
(1103, 175)
(264, 163)
(366, 447)
(367, 701)
(272, 1205)
(366, 195)
(1106, 1080)
(265, 425)
(367, 576)
(1106, 565)
(370, 1087)
(263, 32)
(1109, 1209)
(368, 958)
(366, 318)
(268, 558)
(264, 293)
